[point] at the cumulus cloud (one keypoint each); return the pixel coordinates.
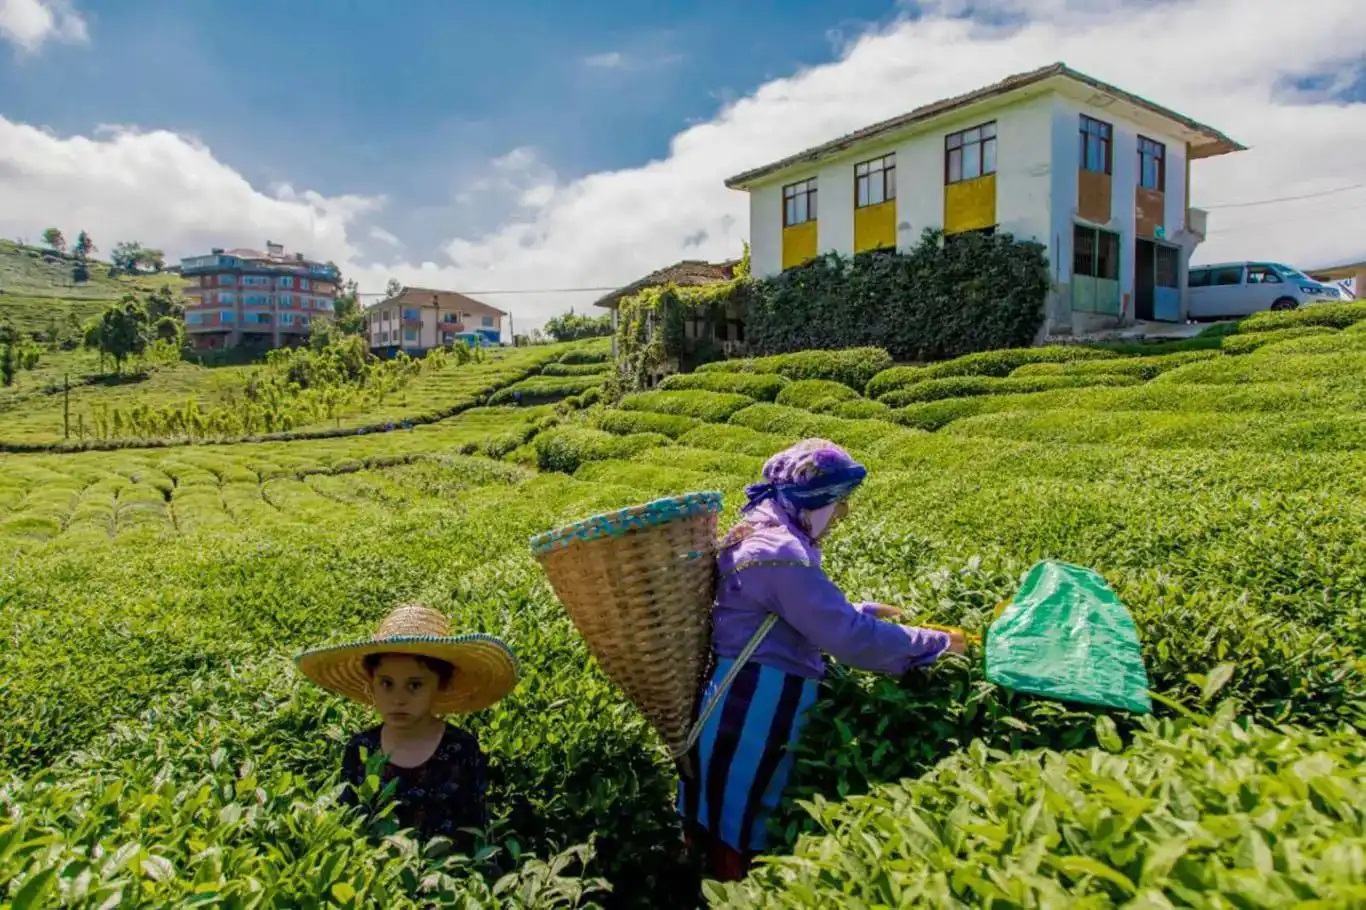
(608, 60)
(29, 24)
(384, 237)
(608, 228)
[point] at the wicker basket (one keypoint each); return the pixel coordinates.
(638, 585)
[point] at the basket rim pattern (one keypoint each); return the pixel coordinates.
(633, 518)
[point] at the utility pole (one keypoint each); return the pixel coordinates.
(66, 406)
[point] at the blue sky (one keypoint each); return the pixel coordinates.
(412, 99)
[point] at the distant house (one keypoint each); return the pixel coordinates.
(688, 273)
(416, 320)
(1350, 276)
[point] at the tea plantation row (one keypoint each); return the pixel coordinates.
(157, 748)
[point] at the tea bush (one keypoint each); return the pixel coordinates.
(987, 363)
(793, 424)
(710, 406)
(861, 409)
(966, 386)
(853, 367)
(566, 448)
(575, 369)
(1251, 341)
(627, 422)
(730, 438)
(1334, 315)
(1138, 367)
(760, 387)
(815, 394)
(546, 389)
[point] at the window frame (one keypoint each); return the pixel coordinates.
(960, 143)
(1158, 152)
(1089, 129)
(791, 191)
(880, 169)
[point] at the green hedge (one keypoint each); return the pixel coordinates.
(564, 449)
(575, 369)
(545, 389)
(986, 363)
(708, 461)
(966, 386)
(732, 438)
(861, 409)
(853, 366)
(624, 423)
(932, 415)
(1251, 341)
(1186, 813)
(596, 353)
(816, 394)
(1334, 315)
(714, 407)
(759, 386)
(794, 424)
(1141, 367)
(941, 298)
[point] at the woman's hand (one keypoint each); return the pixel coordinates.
(958, 643)
(885, 611)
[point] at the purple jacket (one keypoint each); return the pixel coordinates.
(776, 568)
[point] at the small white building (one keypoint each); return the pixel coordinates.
(415, 320)
(1097, 175)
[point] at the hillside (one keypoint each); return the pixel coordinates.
(152, 599)
(37, 287)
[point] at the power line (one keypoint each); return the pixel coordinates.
(522, 291)
(1240, 205)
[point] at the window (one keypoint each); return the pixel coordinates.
(1095, 145)
(1095, 270)
(286, 319)
(227, 316)
(261, 318)
(194, 318)
(488, 322)
(383, 337)
(970, 154)
(286, 301)
(411, 316)
(224, 280)
(1152, 164)
(227, 297)
(303, 284)
(1199, 278)
(1228, 275)
(1168, 267)
(1262, 274)
(875, 181)
(410, 334)
(303, 320)
(286, 282)
(799, 202)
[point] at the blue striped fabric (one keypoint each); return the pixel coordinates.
(742, 755)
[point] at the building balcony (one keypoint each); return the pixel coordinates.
(1197, 221)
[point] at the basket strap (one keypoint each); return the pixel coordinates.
(753, 645)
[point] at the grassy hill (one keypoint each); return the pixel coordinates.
(151, 601)
(37, 287)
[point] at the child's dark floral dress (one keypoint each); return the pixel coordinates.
(437, 798)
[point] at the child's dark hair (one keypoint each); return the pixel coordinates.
(443, 670)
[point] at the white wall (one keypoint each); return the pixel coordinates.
(766, 230)
(835, 206)
(1023, 169)
(919, 187)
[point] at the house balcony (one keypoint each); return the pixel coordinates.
(1197, 222)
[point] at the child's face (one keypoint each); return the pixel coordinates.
(403, 690)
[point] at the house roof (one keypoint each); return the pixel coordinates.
(1205, 141)
(688, 273)
(1340, 272)
(252, 255)
(422, 297)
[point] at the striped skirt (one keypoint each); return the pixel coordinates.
(742, 756)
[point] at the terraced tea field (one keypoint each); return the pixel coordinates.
(157, 748)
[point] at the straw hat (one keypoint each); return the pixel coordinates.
(485, 668)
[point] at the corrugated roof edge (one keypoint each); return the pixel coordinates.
(1008, 84)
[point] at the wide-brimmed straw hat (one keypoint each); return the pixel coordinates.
(485, 668)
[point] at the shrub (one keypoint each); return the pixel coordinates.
(575, 369)
(987, 363)
(1251, 341)
(732, 438)
(1140, 367)
(892, 379)
(852, 367)
(627, 422)
(942, 298)
(931, 415)
(564, 449)
(815, 394)
(707, 461)
(599, 352)
(794, 424)
(964, 386)
(861, 409)
(1333, 315)
(714, 407)
(759, 386)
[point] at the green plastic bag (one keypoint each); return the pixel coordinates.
(1066, 636)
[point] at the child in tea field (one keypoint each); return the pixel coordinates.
(414, 673)
(776, 606)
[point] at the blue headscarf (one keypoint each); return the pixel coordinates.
(813, 474)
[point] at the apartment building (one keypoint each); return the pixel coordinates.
(416, 320)
(1099, 176)
(255, 298)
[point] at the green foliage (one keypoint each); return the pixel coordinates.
(853, 367)
(986, 363)
(575, 327)
(714, 407)
(590, 352)
(131, 256)
(816, 394)
(861, 409)
(653, 326)
(55, 240)
(760, 387)
(942, 298)
(627, 422)
(575, 369)
(123, 331)
(1139, 367)
(732, 438)
(546, 389)
(564, 449)
(1214, 814)
(1333, 315)
(965, 386)
(1251, 341)
(793, 424)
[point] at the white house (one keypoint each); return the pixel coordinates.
(1097, 175)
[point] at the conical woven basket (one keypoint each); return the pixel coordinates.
(638, 585)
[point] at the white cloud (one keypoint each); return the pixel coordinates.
(383, 236)
(608, 60)
(29, 24)
(609, 228)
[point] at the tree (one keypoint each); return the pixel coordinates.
(164, 304)
(393, 288)
(131, 256)
(122, 332)
(85, 247)
(572, 327)
(346, 314)
(55, 239)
